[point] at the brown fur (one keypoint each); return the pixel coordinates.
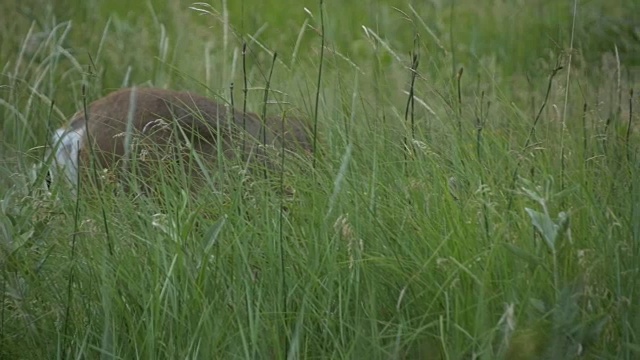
(186, 118)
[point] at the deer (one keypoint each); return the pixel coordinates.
(130, 126)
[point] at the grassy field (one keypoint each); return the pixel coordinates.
(474, 193)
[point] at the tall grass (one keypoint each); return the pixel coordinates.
(490, 213)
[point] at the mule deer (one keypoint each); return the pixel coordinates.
(157, 121)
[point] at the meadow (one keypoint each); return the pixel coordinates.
(474, 191)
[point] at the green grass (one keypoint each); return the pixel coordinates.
(510, 228)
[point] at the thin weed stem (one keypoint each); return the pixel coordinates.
(458, 80)
(231, 100)
(44, 160)
(585, 144)
(566, 99)
(514, 176)
(481, 119)
(628, 135)
(318, 86)
(264, 113)
(410, 108)
(283, 276)
(76, 217)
